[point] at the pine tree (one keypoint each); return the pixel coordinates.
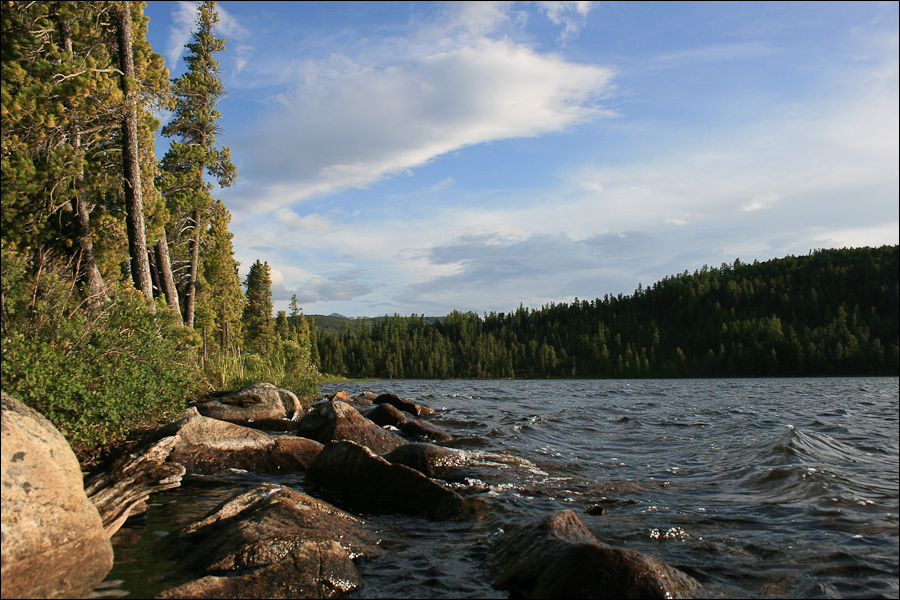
(258, 324)
(196, 152)
(220, 299)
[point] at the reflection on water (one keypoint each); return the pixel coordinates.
(755, 487)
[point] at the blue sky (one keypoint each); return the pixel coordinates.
(417, 157)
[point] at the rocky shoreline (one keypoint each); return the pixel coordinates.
(376, 453)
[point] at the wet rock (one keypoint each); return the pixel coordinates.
(430, 460)
(560, 558)
(426, 430)
(258, 401)
(207, 445)
(54, 544)
(356, 474)
(418, 410)
(387, 414)
(273, 542)
(335, 421)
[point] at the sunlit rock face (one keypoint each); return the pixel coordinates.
(53, 542)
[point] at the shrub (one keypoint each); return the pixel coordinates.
(96, 371)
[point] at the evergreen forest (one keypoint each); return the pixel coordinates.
(832, 312)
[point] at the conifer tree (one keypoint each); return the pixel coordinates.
(258, 324)
(219, 298)
(196, 151)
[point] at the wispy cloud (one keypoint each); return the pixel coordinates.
(349, 124)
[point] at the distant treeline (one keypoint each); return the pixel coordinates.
(832, 312)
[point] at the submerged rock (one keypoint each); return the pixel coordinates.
(54, 544)
(560, 558)
(355, 473)
(273, 542)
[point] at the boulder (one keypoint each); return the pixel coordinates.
(336, 421)
(560, 558)
(356, 474)
(208, 445)
(387, 414)
(425, 430)
(273, 542)
(54, 544)
(258, 401)
(430, 460)
(418, 410)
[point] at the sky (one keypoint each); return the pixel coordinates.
(419, 158)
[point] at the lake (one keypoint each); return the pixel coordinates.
(756, 487)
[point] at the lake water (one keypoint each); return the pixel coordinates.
(756, 487)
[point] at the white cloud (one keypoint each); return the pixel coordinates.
(357, 124)
(560, 13)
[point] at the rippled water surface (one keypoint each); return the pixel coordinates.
(758, 488)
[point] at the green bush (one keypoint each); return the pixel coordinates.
(96, 371)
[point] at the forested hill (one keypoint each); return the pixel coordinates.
(832, 312)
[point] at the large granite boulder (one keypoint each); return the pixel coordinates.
(255, 402)
(337, 421)
(53, 541)
(356, 474)
(207, 445)
(273, 542)
(560, 558)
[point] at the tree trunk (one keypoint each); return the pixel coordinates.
(134, 199)
(86, 266)
(166, 278)
(191, 294)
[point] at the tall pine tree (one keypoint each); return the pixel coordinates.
(196, 151)
(219, 296)
(259, 327)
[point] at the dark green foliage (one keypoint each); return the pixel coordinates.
(260, 336)
(96, 374)
(833, 312)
